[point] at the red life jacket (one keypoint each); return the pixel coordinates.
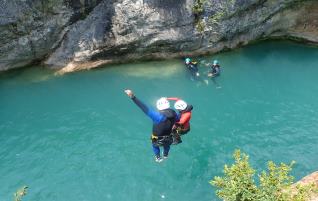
(184, 121)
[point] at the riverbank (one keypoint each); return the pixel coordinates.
(78, 66)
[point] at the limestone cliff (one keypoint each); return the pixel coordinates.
(76, 34)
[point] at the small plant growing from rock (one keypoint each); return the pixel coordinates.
(198, 10)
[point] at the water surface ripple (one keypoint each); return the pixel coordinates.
(78, 137)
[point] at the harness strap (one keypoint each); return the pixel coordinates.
(162, 140)
(154, 137)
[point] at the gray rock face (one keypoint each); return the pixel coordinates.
(32, 29)
(121, 31)
(77, 34)
(29, 29)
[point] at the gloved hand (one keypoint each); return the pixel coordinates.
(129, 93)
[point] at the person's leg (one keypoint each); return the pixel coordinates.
(156, 150)
(166, 149)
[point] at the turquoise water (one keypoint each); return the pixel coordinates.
(78, 137)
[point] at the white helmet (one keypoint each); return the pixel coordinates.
(180, 105)
(163, 104)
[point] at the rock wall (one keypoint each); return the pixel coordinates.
(78, 34)
(30, 30)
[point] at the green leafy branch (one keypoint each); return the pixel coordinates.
(238, 182)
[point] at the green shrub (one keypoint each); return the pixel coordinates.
(214, 19)
(198, 10)
(198, 7)
(238, 182)
(200, 26)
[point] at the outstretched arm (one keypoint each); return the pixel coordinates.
(155, 116)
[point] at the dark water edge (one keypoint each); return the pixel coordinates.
(287, 40)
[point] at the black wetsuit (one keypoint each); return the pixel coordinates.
(163, 122)
(215, 70)
(193, 67)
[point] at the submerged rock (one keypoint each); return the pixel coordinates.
(74, 34)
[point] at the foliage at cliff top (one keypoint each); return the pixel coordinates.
(238, 182)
